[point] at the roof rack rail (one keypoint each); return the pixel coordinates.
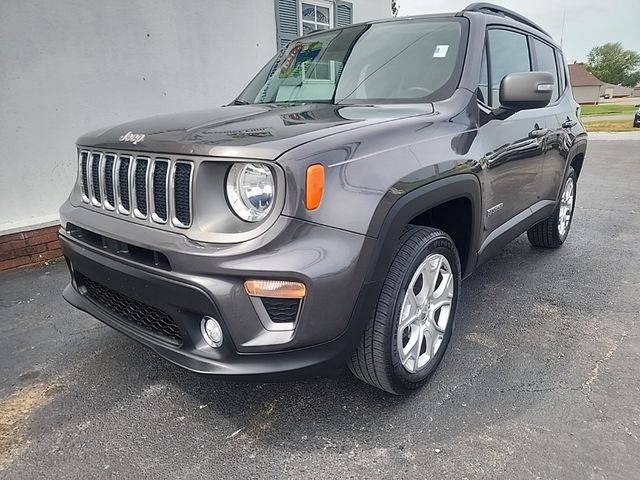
(484, 7)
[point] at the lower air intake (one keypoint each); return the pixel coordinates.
(132, 311)
(281, 310)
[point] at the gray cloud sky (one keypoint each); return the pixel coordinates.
(588, 22)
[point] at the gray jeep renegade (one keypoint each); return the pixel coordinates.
(328, 215)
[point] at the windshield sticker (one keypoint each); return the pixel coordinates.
(299, 54)
(440, 51)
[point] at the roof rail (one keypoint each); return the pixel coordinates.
(484, 7)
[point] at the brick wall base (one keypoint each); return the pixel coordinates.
(29, 248)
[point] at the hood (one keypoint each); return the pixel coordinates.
(261, 131)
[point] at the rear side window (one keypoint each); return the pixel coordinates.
(546, 62)
(562, 71)
(508, 53)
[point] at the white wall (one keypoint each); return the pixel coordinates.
(68, 67)
(364, 10)
(71, 66)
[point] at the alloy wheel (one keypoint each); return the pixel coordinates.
(425, 312)
(566, 208)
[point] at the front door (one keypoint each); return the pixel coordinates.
(514, 147)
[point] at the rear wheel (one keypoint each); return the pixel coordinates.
(410, 328)
(552, 232)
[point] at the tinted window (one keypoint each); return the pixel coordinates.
(483, 85)
(401, 61)
(546, 62)
(408, 61)
(508, 53)
(561, 68)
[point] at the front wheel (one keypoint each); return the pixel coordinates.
(552, 232)
(410, 328)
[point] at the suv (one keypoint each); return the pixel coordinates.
(328, 215)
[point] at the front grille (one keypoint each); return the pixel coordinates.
(84, 160)
(281, 310)
(182, 193)
(141, 186)
(132, 311)
(108, 181)
(159, 189)
(160, 171)
(95, 178)
(123, 184)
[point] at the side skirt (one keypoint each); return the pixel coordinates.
(513, 228)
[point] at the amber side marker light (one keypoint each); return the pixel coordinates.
(275, 289)
(314, 186)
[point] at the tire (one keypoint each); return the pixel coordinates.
(549, 233)
(380, 358)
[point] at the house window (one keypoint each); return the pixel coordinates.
(295, 18)
(319, 71)
(315, 15)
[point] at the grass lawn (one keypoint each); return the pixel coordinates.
(609, 125)
(607, 108)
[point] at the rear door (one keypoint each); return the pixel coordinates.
(513, 147)
(559, 117)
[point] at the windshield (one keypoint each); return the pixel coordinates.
(393, 62)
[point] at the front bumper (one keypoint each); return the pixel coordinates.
(206, 279)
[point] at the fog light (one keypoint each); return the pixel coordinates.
(211, 331)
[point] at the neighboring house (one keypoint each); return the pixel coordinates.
(66, 70)
(586, 87)
(636, 91)
(609, 90)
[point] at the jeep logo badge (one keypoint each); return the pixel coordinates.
(134, 138)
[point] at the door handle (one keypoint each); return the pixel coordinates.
(568, 123)
(538, 132)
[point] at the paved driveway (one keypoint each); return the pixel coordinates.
(542, 379)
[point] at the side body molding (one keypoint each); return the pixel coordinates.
(412, 204)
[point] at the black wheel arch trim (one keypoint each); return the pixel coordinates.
(579, 147)
(418, 201)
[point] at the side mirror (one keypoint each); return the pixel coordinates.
(523, 91)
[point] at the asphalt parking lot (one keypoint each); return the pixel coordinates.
(542, 379)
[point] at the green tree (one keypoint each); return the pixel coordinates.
(611, 63)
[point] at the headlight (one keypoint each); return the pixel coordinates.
(250, 191)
